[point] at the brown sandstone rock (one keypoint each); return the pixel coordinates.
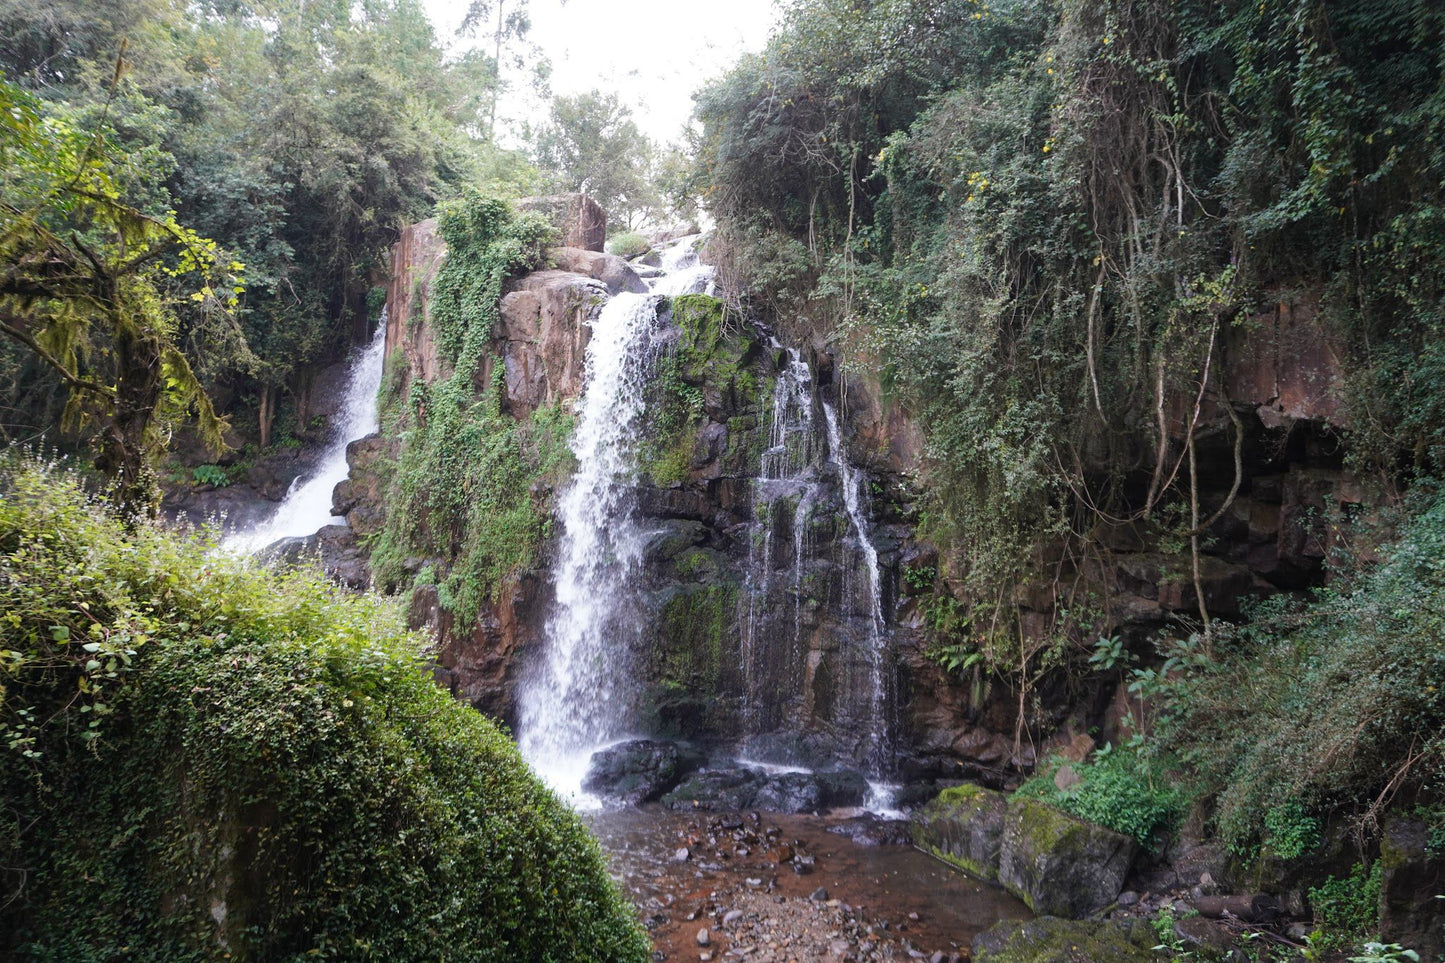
(580, 221)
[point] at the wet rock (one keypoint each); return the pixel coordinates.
(1049, 939)
(720, 790)
(1058, 864)
(1410, 912)
(872, 830)
(963, 826)
(803, 792)
(610, 269)
(638, 771)
(1205, 936)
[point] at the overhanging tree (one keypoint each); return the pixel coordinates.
(88, 285)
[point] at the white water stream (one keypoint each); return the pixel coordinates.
(307, 506)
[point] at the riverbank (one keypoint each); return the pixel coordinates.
(770, 887)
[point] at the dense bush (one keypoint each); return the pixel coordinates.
(1332, 706)
(1041, 220)
(630, 244)
(200, 759)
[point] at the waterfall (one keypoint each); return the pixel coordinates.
(576, 700)
(307, 506)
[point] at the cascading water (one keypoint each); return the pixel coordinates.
(578, 698)
(804, 471)
(307, 506)
(582, 691)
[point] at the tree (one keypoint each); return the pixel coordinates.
(591, 143)
(509, 23)
(88, 285)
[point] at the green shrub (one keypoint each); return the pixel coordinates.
(201, 759)
(1321, 707)
(1347, 908)
(217, 476)
(1290, 831)
(1121, 789)
(628, 245)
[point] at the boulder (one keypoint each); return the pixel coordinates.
(717, 790)
(638, 771)
(580, 221)
(1052, 940)
(806, 792)
(871, 830)
(610, 269)
(1410, 883)
(1058, 864)
(542, 338)
(964, 827)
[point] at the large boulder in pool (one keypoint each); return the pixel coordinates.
(718, 790)
(808, 792)
(963, 826)
(1058, 864)
(638, 771)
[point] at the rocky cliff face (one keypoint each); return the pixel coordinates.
(760, 612)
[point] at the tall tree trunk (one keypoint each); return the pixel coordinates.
(124, 452)
(267, 413)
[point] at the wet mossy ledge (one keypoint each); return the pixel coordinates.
(200, 759)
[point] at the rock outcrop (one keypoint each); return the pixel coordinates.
(756, 610)
(1058, 864)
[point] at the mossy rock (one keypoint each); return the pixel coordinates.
(1410, 912)
(1061, 865)
(963, 826)
(1049, 939)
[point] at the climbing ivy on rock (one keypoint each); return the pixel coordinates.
(460, 495)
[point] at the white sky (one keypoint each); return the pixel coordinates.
(652, 53)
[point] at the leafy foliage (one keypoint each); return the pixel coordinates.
(591, 143)
(1121, 789)
(1347, 908)
(89, 286)
(1041, 219)
(215, 760)
(300, 137)
(461, 490)
(1334, 705)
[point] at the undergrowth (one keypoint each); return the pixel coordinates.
(1121, 789)
(202, 759)
(1331, 707)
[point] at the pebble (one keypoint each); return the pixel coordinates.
(819, 895)
(703, 939)
(682, 855)
(731, 917)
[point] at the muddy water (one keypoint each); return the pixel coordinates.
(753, 883)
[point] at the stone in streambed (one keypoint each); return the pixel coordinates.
(638, 771)
(718, 790)
(1058, 864)
(805, 792)
(964, 827)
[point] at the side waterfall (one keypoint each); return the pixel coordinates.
(307, 506)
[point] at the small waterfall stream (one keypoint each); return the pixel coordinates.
(307, 506)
